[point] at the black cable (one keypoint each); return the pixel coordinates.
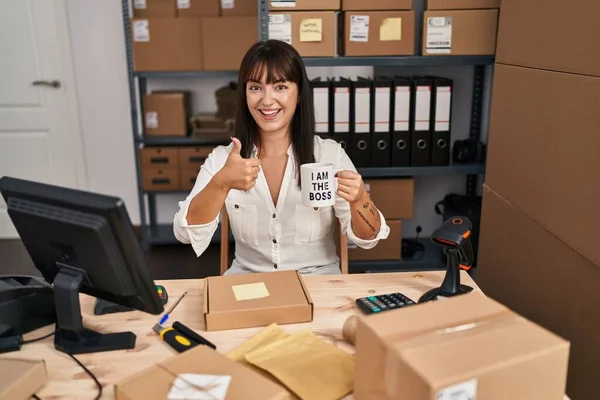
(38, 339)
(35, 396)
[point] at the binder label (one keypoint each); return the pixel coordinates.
(280, 27)
(382, 109)
(362, 110)
(321, 101)
(423, 105)
(359, 28)
(342, 110)
(402, 108)
(442, 108)
(439, 35)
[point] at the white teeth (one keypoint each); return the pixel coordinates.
(269, 112)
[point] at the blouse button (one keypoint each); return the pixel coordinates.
(274, 241)
(316, 208)
(274, 265)
(236, 206)
(274, 216)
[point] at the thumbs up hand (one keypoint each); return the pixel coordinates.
(238, 173)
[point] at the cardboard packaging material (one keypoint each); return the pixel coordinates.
(160, 179)
(462, 32)
(558, 36)
(379, 33)
(304, 5)
(235, 36)
(165, 157)
(395, 198)
(156, 381)
(244, 301)
(539, 276)
(166, 113)
(390, 5)
(209, 124)
(469, 344)
(389, 249)
(21, 379)
(167, 44)
(154, 8)
(547, 123)
(312, 33)
(462, 4)
(190, 162)
(198, 8)
(239, 8)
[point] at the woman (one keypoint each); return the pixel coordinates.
(257, 177)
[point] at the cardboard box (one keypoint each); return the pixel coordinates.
(467, 344)
(156, 381)
(187, 177)
(244, 301)
(355, 5)
(239, 8)
(166, 113)
(154, 8)
(304, 5)
(163, 157)
(209, 124)
(312, 33)
(462, 4)
(558, 36)
(20, 379)
(536, 274)
(167, 44)
(235, 37)
(395, 198)
(160, 179)
(464, 32)
(547, 123)
(388, 249)
(379, 33)
(198, 8)
(193, 157)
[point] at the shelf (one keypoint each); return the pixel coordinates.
(200, 140)
(185, 74)
(404, 61)
(396, 172)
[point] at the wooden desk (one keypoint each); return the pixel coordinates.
(333, 298)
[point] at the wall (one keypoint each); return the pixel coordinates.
(101, 76)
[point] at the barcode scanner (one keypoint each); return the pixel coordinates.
(454, 236)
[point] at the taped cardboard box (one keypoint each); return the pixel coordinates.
(239, 8)
(312, 33)
(390, 5)
(154, 8)
(462, 4)
(462, 32)
(20, 379)
(303, 5)
(469, 345)
(379, 33)
(198, 8)
(235, 36)
(166, 113)
(244, 301)
(395, 198)
(156, 382)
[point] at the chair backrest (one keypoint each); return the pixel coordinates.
(343, 245)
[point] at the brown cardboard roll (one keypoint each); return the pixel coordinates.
(349, 329)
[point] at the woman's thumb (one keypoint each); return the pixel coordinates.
(237, 146)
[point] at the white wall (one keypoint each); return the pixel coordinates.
(98, 48)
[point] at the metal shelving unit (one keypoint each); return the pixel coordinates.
(153, 233)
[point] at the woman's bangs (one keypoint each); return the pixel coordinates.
(271, 68)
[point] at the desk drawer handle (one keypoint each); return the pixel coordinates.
(161, 181)
(159, 160)
(196, 159)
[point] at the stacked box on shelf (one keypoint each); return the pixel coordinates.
(166, 113)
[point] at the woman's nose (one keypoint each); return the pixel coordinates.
(269, 96)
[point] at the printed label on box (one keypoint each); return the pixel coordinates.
(283, 3)
(139, 4)
(461, 391)
(152, 119)
(227, 4)
(141, 31)
(280, 27)
(439, 35)
(359, 28)
(182, 4)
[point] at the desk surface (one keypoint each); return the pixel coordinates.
(333, 298)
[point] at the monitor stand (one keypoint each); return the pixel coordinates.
(71, 337)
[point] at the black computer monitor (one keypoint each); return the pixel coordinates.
(82, 242)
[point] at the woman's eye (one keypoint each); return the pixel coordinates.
(254, 88)
(281, 87)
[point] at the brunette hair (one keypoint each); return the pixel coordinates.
(281, 62)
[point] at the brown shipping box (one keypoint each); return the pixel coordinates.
(536, 274)
(156, 381)
(558, 35)
(167, 44)
(388, 249)
(225, 40)
(468, 344)
(198, 8)
(371, 5)
(303, 5)
(543, 151)
(160, 179)
(164, 157)
(21, 379)
(154, 8)
(463, 32)
(395, 198)
(312, 33)
(166, 113)
(379, 33)
(239, 8)
(462, 4)
(245, 301)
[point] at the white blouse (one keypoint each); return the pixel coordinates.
(289, 236)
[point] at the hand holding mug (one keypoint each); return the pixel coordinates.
(238, 172)
(350, 186)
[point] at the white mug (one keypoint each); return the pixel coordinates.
(319, 185)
